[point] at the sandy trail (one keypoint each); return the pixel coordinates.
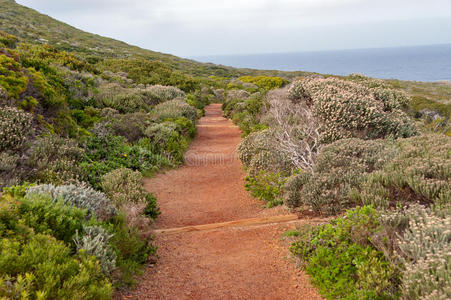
(241, 262)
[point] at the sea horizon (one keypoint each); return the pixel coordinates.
(417, 63)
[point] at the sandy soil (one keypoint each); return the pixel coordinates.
(249, 262)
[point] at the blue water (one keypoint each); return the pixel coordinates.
(421, 63)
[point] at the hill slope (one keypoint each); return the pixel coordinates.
(33, 27)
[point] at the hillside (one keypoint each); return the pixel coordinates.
(33, 27)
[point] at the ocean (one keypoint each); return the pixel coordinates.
(420, 63)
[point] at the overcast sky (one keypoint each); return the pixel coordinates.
(206, 27)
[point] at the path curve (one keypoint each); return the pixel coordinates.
(247, 262)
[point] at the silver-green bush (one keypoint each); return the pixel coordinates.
(94, 241)
(96, 203)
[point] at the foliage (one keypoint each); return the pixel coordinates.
(348, 109)
(167, 140)
(174, 109)
(95, 203)
(418, 173)
(424, 250)
(46, 216)
(12, 77)
(55, 160)
(342, 262)
(265, 82)
(94, 242)
(15, 128)
(123, 185)
(267, 187)
(156, 94)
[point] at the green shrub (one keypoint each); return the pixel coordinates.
(266, 186)
(265, 82)
(15, 128)
(125, 102)
(12, 78)
(95, 203)
(174, 109)
(341, 260)
(259, 152)
(46, 216)
(165, 139)
(8, 40)
(38, 266)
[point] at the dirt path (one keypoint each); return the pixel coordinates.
(245, 260)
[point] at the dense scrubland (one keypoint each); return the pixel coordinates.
(84, 118)
(364, 152)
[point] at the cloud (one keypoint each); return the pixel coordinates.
(196, 27)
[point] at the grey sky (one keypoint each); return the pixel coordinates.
(203, 27)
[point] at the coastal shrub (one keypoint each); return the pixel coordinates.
(94, 241)
(123, 185)
(95, 203)
(8, 40)
(9, 175)
(292, 189)
(418, 173)
(156, 94)
(12, 77)
(348, 109)
(265, 82)
(131, 125)
(165, 139)
(54, 159)
(340, 168)
(15, 128)
(46, 216)
(174, 109)
(424, 250)
(125, 103)
(237, 94)
(131, 247)
(266, 186)
(41, 267)
(341, 260)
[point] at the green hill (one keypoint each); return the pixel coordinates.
(33, 27)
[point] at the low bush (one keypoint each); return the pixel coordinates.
(166, 140)
(95, 203)
(94, 241)
(348, 109)
(341, 260)
(41, 267)
(424, 251)
(46, 216)
(156, 94)
(131, 125)
(267, 187)
(265, 82)
(54, 159)
(124, 185)
(15, 128)
(419, 172)
(174, 109)
(34, 264)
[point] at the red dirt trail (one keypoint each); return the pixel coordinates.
(244, 262)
